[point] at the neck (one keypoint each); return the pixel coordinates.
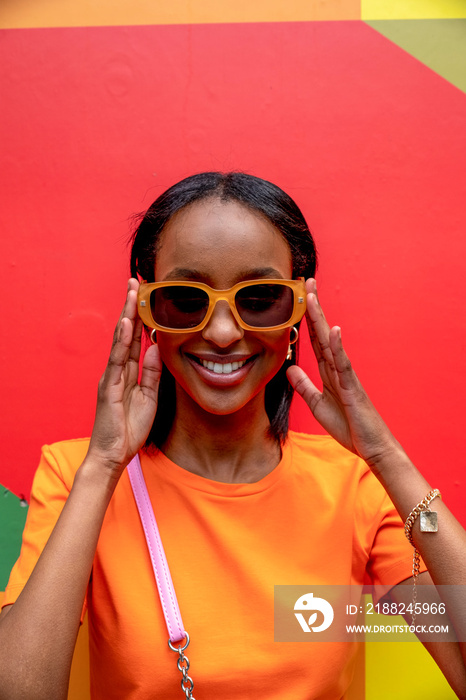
(234, 448)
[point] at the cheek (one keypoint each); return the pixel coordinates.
(276, 348)
(277, 341)
(169, 344)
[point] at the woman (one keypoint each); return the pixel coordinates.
(241, 503)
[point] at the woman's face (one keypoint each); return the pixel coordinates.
(220, 244)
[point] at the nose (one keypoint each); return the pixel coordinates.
(222, 329)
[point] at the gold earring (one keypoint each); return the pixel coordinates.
(153, 336)
(289, 354)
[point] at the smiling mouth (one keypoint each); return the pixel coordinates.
(221, 367)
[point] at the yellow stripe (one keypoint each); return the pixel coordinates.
(77, 13)
(382, 683)
(413, 9)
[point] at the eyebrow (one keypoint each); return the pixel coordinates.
(196, 275)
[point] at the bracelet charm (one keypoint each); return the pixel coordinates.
(428, 521)
(428, 518)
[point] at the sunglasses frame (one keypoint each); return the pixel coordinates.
(297, 286)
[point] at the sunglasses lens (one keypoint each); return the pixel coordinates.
(262, 305)
(178, 307)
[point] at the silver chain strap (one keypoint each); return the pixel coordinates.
(187, 683)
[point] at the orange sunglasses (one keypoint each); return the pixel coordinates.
(262, 304)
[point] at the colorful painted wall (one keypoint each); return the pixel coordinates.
(356, 109)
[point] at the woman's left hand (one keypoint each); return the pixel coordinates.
(342, 407)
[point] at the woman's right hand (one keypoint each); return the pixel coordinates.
(38, 635)
(125, 408)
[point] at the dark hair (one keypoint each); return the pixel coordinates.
(262, 197)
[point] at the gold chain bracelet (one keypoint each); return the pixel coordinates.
(428, 523)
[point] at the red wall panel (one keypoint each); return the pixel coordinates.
(97, 121)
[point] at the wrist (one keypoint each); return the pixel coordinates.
(400, 478)
(99, 475)
(389, 459)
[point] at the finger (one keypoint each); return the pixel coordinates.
(346, 376)
(319, 328)
(123, 339)
(151, 373)
(327, 344)
(130, 309)
(119, 353)
(319, 333)
(311, 285)
(304, 386)
(132, 363)
(132, 284)
(310, 326)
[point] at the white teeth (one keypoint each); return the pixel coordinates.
(219, 368)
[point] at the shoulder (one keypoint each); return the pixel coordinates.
(62, 460)
(333, 469)
(323, 451)
(68, 449)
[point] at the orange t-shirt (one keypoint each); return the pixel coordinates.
(320, 517)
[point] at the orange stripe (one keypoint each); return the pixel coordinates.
(69, 13)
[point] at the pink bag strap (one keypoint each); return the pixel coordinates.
(163, 578)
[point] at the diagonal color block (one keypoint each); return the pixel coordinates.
(412, 9)
(439, 43)
(13, 513)
(430, 683)
(69, 13)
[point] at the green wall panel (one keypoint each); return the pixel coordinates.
(13, 512)
(438, 43)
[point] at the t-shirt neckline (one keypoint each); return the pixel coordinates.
(159, 463)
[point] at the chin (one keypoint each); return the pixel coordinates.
(226, 403)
